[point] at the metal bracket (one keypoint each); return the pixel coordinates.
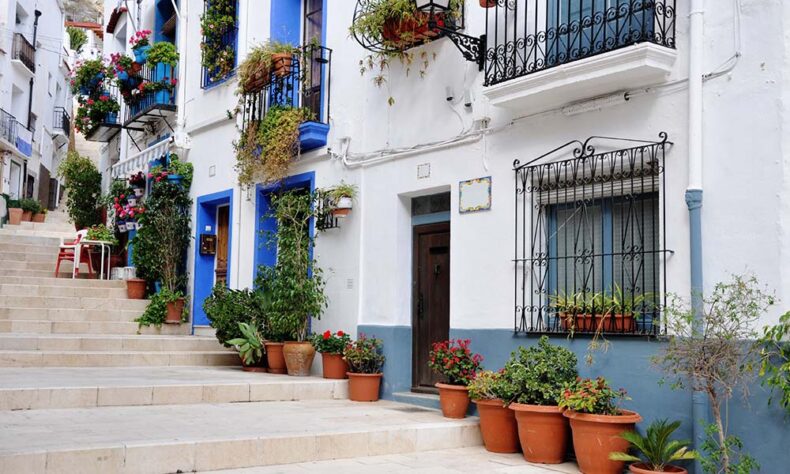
(471, 47)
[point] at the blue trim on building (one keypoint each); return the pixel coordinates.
(313, 135)
(285, 23)
(206, 215)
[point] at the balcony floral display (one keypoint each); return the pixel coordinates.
(141, 44)
(271, 57)
(92, 112)
(124, 68)
(217, 24)
(88, 77)
(456, 363)
(137, 182)
(162, 52)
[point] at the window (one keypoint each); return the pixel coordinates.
(313, 34)
(589, 245)
(219, 24)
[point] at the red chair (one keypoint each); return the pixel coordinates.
(70, 251)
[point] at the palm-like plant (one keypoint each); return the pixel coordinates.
(656, 449)
(250, 346)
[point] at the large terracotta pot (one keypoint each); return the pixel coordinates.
(334, 366)
(174, 311)
(298, 357)
(498, 426)
(15, 215)
(543, 432)
(135, 288)
(39, 217)
(454, 400)
(410, 31)
(641, 468)
(281, 63)
(275, 357)
(363, 387)
(595, 436)
(27, 216)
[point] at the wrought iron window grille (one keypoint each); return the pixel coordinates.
(527, 36)
(229, 39)
(590, 240)
(324, 217)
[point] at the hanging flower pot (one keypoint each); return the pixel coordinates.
(281, 63)
(488, 3)
(174, 311)
(175, 178)
(139, 192)
(132, 201)
(141, 53)
(343, 207)
(258, 81)
(131, 225)
(122, 76)
(121, 226)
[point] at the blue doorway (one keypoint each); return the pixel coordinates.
(206, 263)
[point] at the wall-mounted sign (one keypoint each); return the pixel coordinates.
(208, 244)
(474, 195)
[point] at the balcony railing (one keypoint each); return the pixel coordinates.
(228, 42)
(161, 99)
(61, 120)
(24, 52)
(19, 136)
(527, 36)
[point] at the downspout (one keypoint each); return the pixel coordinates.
(699, 406)
(37, 13)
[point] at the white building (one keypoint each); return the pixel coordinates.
(34, 97)
(688, 111)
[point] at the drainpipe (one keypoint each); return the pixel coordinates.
(37, 13)
(699, 407)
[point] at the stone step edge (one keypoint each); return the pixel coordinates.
(215, 454)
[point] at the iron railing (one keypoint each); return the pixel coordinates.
(590, 244)
(15, 133)
(162, 73)
(306, 83)
(24, 52)
(527, 36)
(61, 120)
(7, 127)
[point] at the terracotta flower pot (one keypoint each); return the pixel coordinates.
(281, 63)
(595, 436)
(174, 311)
(258, 81)
(410, 31)
(259, 367)
(39, 217)
(298, 357)
(27, 216)
(487, 3)
(334, 366)
(586, 322)
(543, 432)
(15, 215)
(498, 426)
(641, 468)
(454, 400)
(275, 357)
(363, 387)
(135, 288)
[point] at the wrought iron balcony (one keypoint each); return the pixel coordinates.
(306, 83)
(145, 109)
(527, 36)
(110, 124)
(61, 121)
(228, 42)
(24, 52)
(17, 136)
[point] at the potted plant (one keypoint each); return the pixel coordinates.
(88, 76)
(597, 423)
(162, 52)
(226, 308)
(365, 362)
(263, 60)
(176, 305)
(41, 215)
(137, 182)
(458, 365)
(218, 56)
(165, 307)
(29, 207)
(655, 451)
(491, 391)
(250, 347)
(135, 288)
(331, 348)
(140, 45)
(342, 198)
(14, 212)
(100, 233)
(538, 375)
(180, 171)
(398, 24)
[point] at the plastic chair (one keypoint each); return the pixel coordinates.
(69, 250)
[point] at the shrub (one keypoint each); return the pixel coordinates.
(77, 38)
(453, 360)
(249, 345)
(329, 343)
(540, 372)
(364, 355)
(83, 182)
(595, 397)
(488, 385)
(227, 308)
(655, 447)
(162, 52)
(30, 205)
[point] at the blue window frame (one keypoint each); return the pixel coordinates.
(227, 41)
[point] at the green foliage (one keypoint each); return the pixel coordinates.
(91, 112)
(30, 205)
(329, 343)
(381, 13)
(655, 449)
(455, 361)
(227, 308)
(83, 183)
(89, 74)
(364, 355)
(775, 360)
(103, 233)
(162, 52)
(591, 396)
(294, 286)
(258, 62)
(249, 345)
(724, 454)
(184, 169)
(218, 19)
(77, 38)
(488, 385)
(156, 311)
(539, 373)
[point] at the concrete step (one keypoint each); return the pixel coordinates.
(50, 280)
(29, 248)
(67, 291)
(65, 270)
(12, 231)
(47, 265)
(187, 438)
(46, 226)
(72, 315)
(46, 388)
(24, 358)
(65, 302)
(89, 327)
(17, 239)
(93, 342)
(49, 257)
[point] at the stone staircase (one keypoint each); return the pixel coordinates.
(82, 390)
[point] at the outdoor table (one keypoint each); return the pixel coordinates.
(103, 244)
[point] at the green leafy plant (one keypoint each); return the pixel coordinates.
(656, 450)
(83, 183)
(455, 361)
(218, 20)
(226, 308)
(328, 343)
(250, 345)
(539, 373)
(364, 355)
(156, 311)
(725, 455)
(77, 38)
(184, 169)
(714, 352)
(256, 68)
(488, 385)
(91, 113)
(775, 360)
(342, 190)
(591, 396)
(102, 233)
(88, 76)
(30, 205)
(294, 286)
(162, 52)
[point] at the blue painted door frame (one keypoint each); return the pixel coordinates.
(206, 215)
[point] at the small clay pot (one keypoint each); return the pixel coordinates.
(259, 367)
(15, 215)
(454, 400)
(275, 357)
(641, 468)
(174, 311)
(543, 432)
(363, 387)
(281, 63)
(27, 216)
(135, 288)
(39, 217)
(596, 436)
(488, 3)
(298, 358)
(334, 366)
(498, 426)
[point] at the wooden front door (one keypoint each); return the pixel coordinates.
(431, 298)
(223, 224)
